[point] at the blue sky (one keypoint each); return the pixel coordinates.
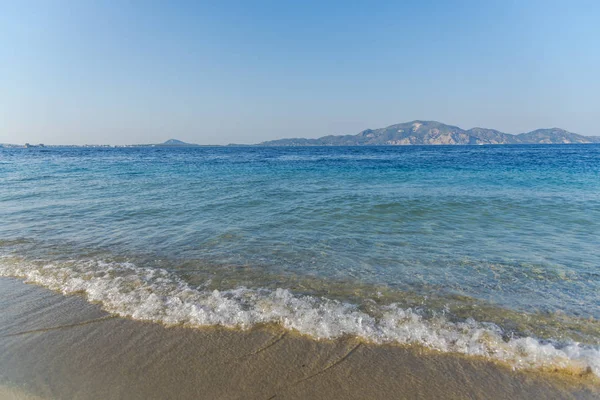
(219, 72)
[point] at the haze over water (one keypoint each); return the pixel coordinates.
(427, 245)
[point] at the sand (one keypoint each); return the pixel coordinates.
(57, 347)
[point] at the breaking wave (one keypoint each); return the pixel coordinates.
(158, 295)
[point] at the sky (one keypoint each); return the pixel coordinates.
(125, 72)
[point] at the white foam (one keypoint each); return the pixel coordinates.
(161, 296)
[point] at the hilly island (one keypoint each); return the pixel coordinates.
(437, 133)
(404, 134)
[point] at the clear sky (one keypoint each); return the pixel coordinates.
(121, 72)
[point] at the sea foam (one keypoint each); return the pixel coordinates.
(158, 295)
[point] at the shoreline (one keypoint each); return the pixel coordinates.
(55, 346)
(161, 296)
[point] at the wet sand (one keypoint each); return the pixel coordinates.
(57, 347)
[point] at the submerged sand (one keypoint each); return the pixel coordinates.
(58, 347)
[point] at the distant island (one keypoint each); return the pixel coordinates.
(405, 134)
(175, 142)
(168, 143)
(437, 133)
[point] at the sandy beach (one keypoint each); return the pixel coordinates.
(57, 347)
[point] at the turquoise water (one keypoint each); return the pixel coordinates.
(504, 238)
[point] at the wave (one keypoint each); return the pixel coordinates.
(158, 295)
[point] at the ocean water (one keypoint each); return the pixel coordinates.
(482, 250)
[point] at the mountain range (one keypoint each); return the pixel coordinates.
(437, 133)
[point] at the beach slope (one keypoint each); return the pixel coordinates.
(55, 346)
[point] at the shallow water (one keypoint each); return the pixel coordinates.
(480, 250)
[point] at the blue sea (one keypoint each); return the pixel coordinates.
(491, 251)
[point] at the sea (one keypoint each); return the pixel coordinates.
(487, 251)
